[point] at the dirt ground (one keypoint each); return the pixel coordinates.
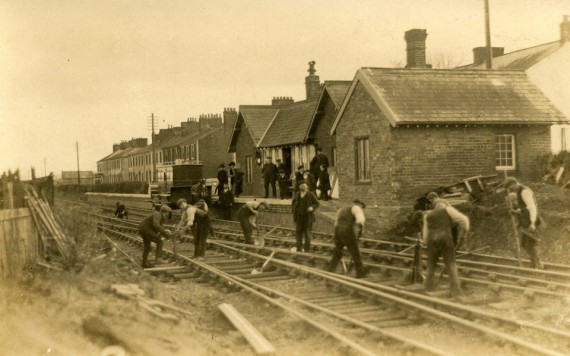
(72, 312)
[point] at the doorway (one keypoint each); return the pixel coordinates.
(286, 154)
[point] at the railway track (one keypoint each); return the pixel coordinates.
(374, 304)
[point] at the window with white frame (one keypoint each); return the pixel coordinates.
(362, 148)
(505, 154)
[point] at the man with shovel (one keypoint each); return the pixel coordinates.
(246, 216)
(526, 211)
(151, 229)
(198, 214)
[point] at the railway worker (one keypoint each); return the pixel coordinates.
(433, 198)
(437, 233)
(151, 229)
(269, 173)
(195, 214)
(304, 205)
(347, 230)
(226, 203)
(247, 216)
(121, 211)
(222, 179)
(529, 221)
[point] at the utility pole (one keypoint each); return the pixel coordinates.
(78, 175)
(153, 151)
(489, 60)
(45, 173)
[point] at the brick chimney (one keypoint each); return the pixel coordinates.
(230, 118)
(116, 147)
(416, 48)
(565, 29)
(312, 82)
(480, 54)
(282, 101)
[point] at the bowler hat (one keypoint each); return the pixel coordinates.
(222, 165)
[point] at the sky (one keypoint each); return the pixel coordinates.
(90, 73)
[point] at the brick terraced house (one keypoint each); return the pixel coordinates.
(406, 131)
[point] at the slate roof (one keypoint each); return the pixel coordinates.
(425, 96)
(337, 90)
(522, 59)
(256, 119)
(191, 137)
(290, 125)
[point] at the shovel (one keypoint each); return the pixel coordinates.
(260, 240)
(257, 271)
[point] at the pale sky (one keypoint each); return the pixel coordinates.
(93, 71)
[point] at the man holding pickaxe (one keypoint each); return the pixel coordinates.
(526, 212)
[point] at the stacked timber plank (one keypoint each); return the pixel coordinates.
(51, 232)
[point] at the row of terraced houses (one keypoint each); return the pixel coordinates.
(390, 134)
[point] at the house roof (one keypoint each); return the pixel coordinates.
(189, 138)
(425, 96)
(522, 59)
(291, 124)
(256, 119)
(335, 91)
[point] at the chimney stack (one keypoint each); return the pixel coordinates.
(312, 82)
(230, 118)
(282, 101)
(565, 29)
(480, 54)
(416, 48)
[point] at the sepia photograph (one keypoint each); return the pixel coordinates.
(280, 177)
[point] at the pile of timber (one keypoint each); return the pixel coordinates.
(53, 237)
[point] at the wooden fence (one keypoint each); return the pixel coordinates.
(18, 241)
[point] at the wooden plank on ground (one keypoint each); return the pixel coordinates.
(254, 337)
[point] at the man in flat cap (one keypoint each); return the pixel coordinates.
(151, 229)
(347, 230)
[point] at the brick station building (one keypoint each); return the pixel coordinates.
(406, 131)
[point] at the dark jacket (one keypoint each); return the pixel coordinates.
(269, 172)
(324, 181)
(222, 177)
(153, 224)
(121, 211)
(301, 204)
(316, 162)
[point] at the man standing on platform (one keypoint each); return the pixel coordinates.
(317, 161)
(269, 172)
(222, 179)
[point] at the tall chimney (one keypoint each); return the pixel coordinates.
(230, 118)
(565, 29)
(312, 82)
(282, 101)
(416, 48)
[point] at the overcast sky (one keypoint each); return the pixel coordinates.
(93, 71)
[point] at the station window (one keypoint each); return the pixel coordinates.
(249, 169)
(505, 157)
(362, 150)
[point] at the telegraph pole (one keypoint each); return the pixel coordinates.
(78, 175)
(489, 60)
(45, 173)
(153, 151)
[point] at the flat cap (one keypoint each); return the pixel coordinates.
(359, 202)
(165, 209)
